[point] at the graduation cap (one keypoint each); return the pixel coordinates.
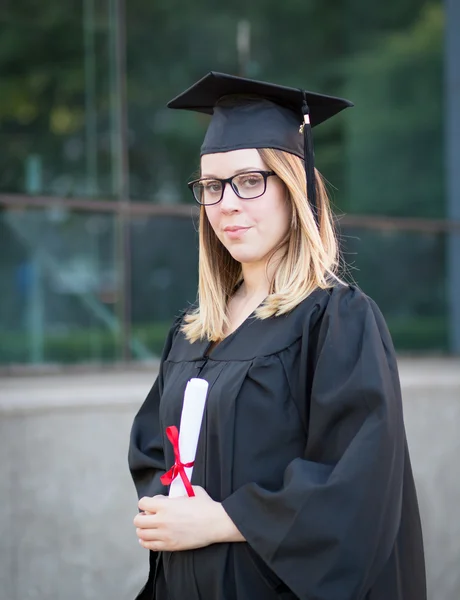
(255, 114)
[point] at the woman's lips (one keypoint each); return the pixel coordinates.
(235, 233)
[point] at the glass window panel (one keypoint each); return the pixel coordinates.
(59, 286)
(59, 135)
(57, 106)
(164, 275)
(404, 272)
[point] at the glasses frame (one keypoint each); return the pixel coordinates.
(265, 174)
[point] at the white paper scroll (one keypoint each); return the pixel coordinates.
(189, 431)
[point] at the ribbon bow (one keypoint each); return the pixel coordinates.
(178, 467)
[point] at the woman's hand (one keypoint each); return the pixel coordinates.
(184, 523)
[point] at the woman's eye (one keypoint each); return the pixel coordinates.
(213, 187)
(252, 181)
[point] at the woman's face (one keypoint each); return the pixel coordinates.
(249, 229)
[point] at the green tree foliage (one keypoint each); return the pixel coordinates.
(385, 56)
(395, 136)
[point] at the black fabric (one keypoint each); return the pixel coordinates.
(254, 114)
(303, 442)
(253, 123)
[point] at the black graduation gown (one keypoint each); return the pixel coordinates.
(303, 442)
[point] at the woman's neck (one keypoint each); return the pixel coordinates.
(257, 278)
(255, 282)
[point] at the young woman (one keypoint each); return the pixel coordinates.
(302, 479)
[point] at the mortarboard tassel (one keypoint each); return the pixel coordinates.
(309, 158)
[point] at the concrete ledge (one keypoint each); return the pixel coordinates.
(74, 391)
(116, 388)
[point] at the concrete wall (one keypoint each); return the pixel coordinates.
(67, 501)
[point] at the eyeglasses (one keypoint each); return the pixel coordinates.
(247, 186)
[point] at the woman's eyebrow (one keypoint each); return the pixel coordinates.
(237, 172)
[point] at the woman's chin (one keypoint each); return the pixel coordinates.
(244, 256)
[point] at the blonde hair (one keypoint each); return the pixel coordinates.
(309, 257)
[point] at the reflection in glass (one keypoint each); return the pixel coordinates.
(404, 272)
(60, 306)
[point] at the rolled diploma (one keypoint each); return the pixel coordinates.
(189, 430)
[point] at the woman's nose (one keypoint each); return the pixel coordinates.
(230, 201)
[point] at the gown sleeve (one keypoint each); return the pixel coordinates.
(330, 529)
(145, 455)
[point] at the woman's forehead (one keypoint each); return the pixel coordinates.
(225, 164)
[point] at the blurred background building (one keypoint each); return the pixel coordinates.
(98, 247)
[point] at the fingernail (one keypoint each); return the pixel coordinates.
(140, 542)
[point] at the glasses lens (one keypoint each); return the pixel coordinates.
(249, 185)
(207, 191)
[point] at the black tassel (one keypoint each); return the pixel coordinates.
(309, 159)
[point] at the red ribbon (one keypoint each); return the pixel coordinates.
(178, 467)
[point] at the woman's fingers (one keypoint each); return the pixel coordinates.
(151, 504)
(143, 521)
(174, 524)
(149, 535)
(156, 540)
(156, 546)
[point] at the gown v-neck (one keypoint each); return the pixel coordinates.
(211, 346)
